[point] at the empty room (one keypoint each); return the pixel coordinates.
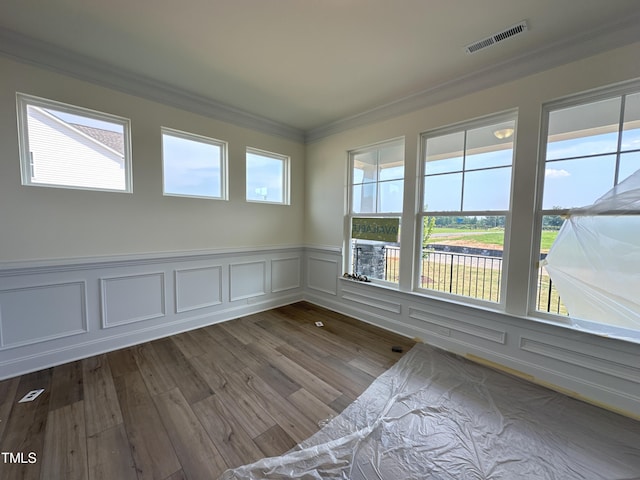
(289, 239)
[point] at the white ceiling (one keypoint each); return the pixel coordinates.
(307, 64)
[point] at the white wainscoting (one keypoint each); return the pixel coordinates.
(601, 370)
(247, 280)
(58, 311)
(20, 310)
(198, 288)
(132, 298)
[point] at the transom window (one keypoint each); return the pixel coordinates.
(466, 191)
(267, 177)
(66, 146)
(193, 165)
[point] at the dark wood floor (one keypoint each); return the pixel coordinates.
(192, 405)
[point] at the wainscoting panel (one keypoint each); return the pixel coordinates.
(285, 274)
(447, 325)
(583, 358)
(369, 300)
(197, 288)
(43, 312)
(322, 274)
(247, 280)
(133, 298)
(54, 312)
(597, 369)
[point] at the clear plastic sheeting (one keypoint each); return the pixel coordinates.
(437, 416)
(595, 263)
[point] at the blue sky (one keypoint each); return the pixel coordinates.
(568, 183)
(191, 167)
(265, 177)
(581, 181)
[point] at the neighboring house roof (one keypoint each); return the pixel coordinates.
(108, 139)
(113, 140)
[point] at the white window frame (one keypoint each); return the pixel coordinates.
(286, 175)
(605, 93)
(224, 180)
(351, 214)
(26, 162)
(421, 213)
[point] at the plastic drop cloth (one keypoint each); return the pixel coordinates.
(595, 263)
(437, 416)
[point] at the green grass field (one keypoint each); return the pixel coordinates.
(488, 238)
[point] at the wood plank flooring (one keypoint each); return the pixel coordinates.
(192, 405)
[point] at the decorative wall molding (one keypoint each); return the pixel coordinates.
(46, 55)
(285, 274)
(586, 44)
(601, 370)
(198, 287)
(322, 274)
(446, 324)
(99, 306)
(132, 298)
(60, 265)
(372, 301)
(71, 298)
(247, 280)
(65, 304)
(581, 359)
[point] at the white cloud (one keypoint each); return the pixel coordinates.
(555, 173)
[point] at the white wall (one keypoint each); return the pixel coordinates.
(546, 351)
(83, 272)
(47, 223)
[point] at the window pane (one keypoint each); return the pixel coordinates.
(485, 149)
(462, 255)
(547, 296)
(378, 178)
(66, 147)
(391, 163)
(629, 164)
(444, 153)
(365, 167)
(265, 178)
(487, 189)
(584, 130)
(443, 192)
(376, 260)
(577, 183)
(191, 167)
(364, 198)
(390, 196)
(631, 128)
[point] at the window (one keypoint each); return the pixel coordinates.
(591, 144)
(267, 177)
(193, 166)
(375, 206)
(466, 191)
(71, 147)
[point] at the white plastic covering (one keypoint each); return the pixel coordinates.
(435, 416)
(595, 262)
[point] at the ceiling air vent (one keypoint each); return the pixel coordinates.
(497, 37)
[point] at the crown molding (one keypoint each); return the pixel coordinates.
(586, 44)
(46, 55)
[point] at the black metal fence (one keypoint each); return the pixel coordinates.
(476, 276)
